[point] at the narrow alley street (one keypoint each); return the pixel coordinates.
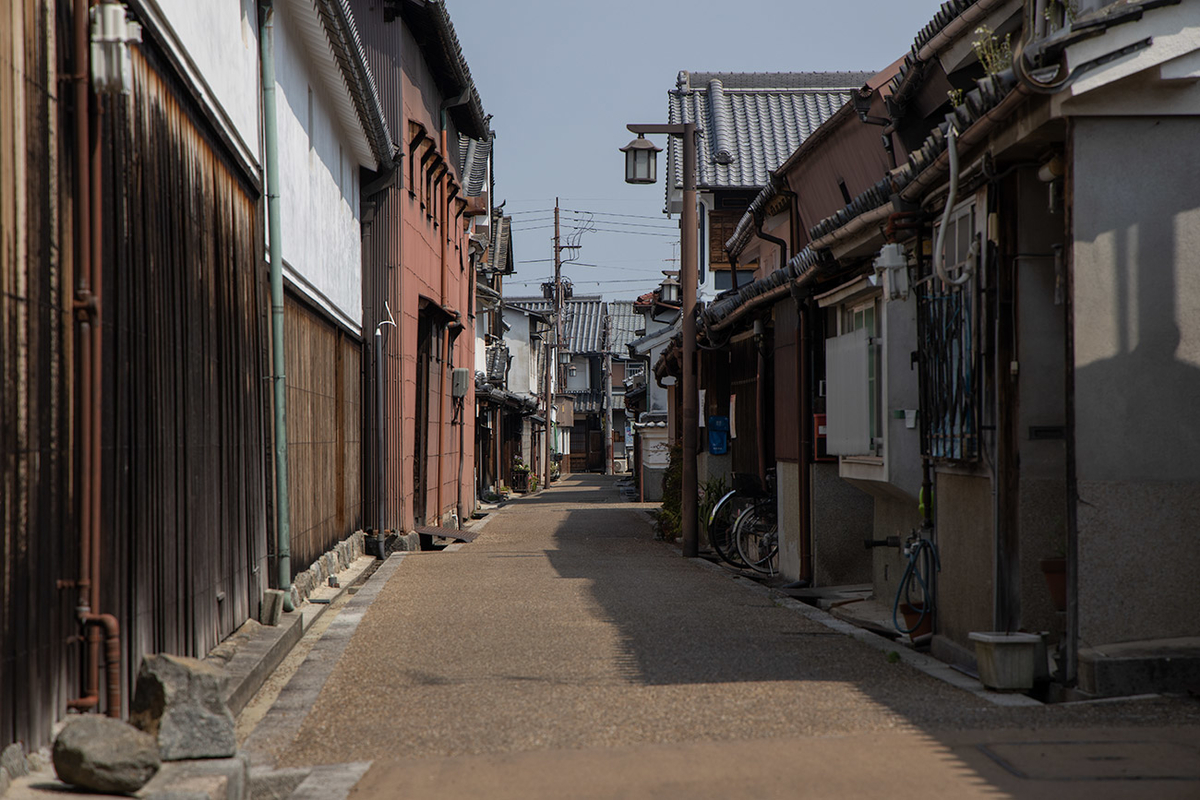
(565, 653)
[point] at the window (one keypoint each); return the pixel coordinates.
(853, 371)
(862, 318)
(949, 352)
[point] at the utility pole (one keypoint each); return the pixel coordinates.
(608, 397)
(552, 349)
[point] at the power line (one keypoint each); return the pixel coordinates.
(614, 214)
(660, 227)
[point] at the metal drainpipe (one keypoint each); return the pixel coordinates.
(84, 302)
(283, 531)
(803, 319)
(88, 296)
(381, 434)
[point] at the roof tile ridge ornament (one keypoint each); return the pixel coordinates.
(683, 81)
(722, 122)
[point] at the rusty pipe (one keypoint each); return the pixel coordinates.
(97, 345)
(83, 292)
(112, 659)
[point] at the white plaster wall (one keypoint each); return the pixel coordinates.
(520, 372)
(218, 42)
(582, 379)
(322, 249)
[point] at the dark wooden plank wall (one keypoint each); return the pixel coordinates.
(185, 428)
(786, 399)
(324, 432)
(38, 527)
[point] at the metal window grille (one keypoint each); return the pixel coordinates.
(948, 333)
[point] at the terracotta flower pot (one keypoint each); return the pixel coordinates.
(1055, 572)
(911, 615)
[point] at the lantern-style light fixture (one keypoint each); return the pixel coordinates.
(641, 157)
(671, 294)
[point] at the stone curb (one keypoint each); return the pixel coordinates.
(291, 707)
(925, 663)
(258, 658)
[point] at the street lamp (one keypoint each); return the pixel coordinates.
(640, 158)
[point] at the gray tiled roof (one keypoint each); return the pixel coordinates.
(583, 320)
(500, 257)
(473, 163)
(623, 322)
(751, 122)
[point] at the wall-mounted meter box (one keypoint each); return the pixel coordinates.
(458, 382)
(718, 435)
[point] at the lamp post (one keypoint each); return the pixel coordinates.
(640, 167)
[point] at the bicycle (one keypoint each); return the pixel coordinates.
(742, 528)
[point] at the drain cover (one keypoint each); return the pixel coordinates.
(1092, 761)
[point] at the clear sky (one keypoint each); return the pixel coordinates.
(562, 78)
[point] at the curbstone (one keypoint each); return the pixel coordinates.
(204, 779)
(272, 607)
(5, 781)
(276, 784)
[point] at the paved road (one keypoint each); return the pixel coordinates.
(565, 653)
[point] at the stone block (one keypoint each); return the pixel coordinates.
(5, 781)
(180, 702)
(13, 760)
(272, 607)
(276, 784)
(105, 755)
(206, 779)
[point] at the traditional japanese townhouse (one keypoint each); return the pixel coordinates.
(623, 326)
(1008, 329)
(751, 123)
(580, 384)
(418, 268)
(647, 399)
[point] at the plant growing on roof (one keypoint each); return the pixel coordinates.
(1060, 13)
(994, 54)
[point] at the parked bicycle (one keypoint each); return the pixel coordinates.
(743, 527)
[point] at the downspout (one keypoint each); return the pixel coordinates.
(760, 397)
(381, 434)
(87, 300)
(283, 535)
(803, 320)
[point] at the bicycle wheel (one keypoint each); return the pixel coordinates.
(720, 527)
(756, 533)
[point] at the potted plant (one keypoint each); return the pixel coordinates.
(520, 476)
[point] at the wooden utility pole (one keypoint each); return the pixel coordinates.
(552, 349)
